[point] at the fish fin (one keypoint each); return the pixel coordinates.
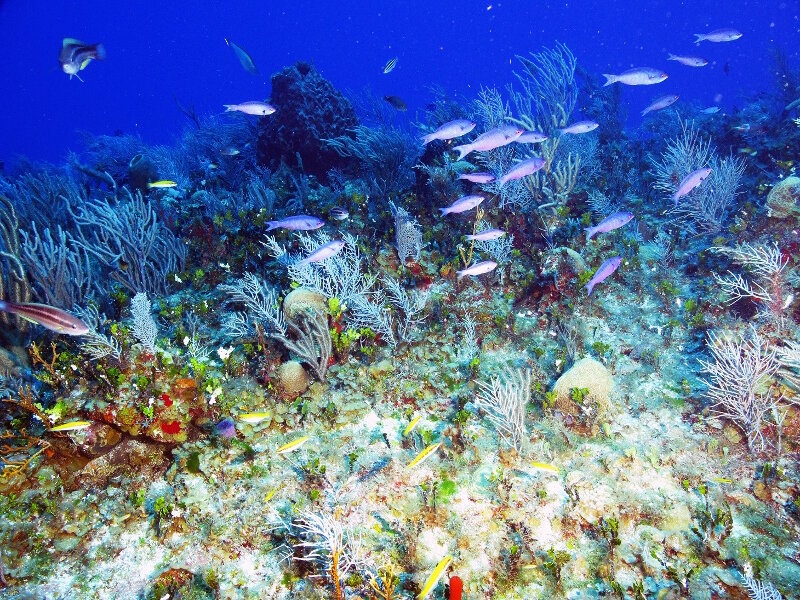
(460, 274)
(444, 212)
(272, 225)
(671, 56)
(698, 37)
(645, 111)
(78, 76)
(590, 231)
(100, 49)
(229, 107)
(589, 287)
(85, 63)
(462, 151)
(427, 139)
(72, 42)
(609, 79)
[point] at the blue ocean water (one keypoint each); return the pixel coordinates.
(160, 50)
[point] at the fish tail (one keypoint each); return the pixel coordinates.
(589, 287)
(445, 211)
(609, 79)
(590, 231)
(229, 107)
(671, 56)
(501, 182)
(699, 37)
(4, 306)
(427, 139)
(462, 150)
(100, 52)
(461, 273)
(645, 111)
(272, 225)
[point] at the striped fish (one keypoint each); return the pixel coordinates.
(50, 317)
(390, 65)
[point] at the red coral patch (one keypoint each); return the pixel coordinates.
(171, 427)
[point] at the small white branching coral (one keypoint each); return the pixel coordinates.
(144, 326)
(759, 590)
(738, 383)
(94, 343)
(470, 348)
(505, 399)
(262, 303)
(767, 287)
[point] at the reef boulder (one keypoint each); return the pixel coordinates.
(293, 377)
(782, 198)
(300, 300)
(589, 374)
(308, 111)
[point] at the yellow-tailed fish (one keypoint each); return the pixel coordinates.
(435, 576)
(253, 417)
(164, 183)
(424, 454)
(544, 467)
(269, 496)
(721, 480)
(411, 425)
(293, 445)
(71, 426)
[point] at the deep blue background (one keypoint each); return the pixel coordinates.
(160, 49)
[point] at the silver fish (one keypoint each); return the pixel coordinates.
(244, 58)
(324, 252)
(450, 130)
(661, 103)
(477, 177)
(580, 127)
(487, 235)
(531, 137)
(494, 138)
(480, 268)
(718, 35)
(522, 169)
(296, 223)
(606, 270)
(636, 76)
(691, 181)
(463, 204)
(710, 110)
(610, 223)
(389, 66)
(689, 61)
(50, 317)
(75, 56)
(339, 214)
(258, 109)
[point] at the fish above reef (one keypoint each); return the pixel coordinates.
(324, 252)
(50, 317)
(293, 445)
(434, 577)
(162, 184)
(339, 214)
(411, 425)
(397, 103)
(637, 76)
(711, 110)
(450, 130)
(477, 177)
(487, 235)
(296, 223)
(580, 127)
(689, 61)
(230, 151)
(485, 266)
(463, 204)
(522, 169)
(718, 35)
(604, 272)
(252, 107)
(610, 223)
(661, 103)
(75, 56)
(389, 66)
(244, 58)
(424, 454)
(691, 181)
(71, 426)
(545, 467)
(226, 428)
(253, 417)
(494, 138)
(531, 137)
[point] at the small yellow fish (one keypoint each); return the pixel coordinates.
(293, 445)
(721, 480)
(71, 426)
(164, 183)
(411, 425)
(544, 467)
(253, 417)
(435, 576)
(269, 496)
(424, 454)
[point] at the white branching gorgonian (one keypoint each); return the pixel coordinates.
(505, 399)
(144, 325)
(262, 303)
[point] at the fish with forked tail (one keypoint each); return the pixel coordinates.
(604, 272)
(50, 317)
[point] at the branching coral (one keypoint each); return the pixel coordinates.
(14, 284)
(261, 301)
(313, 344)
(144, 325)
(94, 343)
(505, 399)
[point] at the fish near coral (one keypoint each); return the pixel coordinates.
(323, 252)
(661, 103)
(604, 272)
(494, 138)
(461, 205)
(253, 107)
(522, 169)
(691, 181)
(637, 76)
(610, 223)
(296, 223)
(477, 177)
(486, 235)
(580, 127)
(49, 317)
(450, 130)
(397, 103)
(480, 268)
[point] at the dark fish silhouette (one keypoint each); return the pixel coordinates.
(396, 103)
